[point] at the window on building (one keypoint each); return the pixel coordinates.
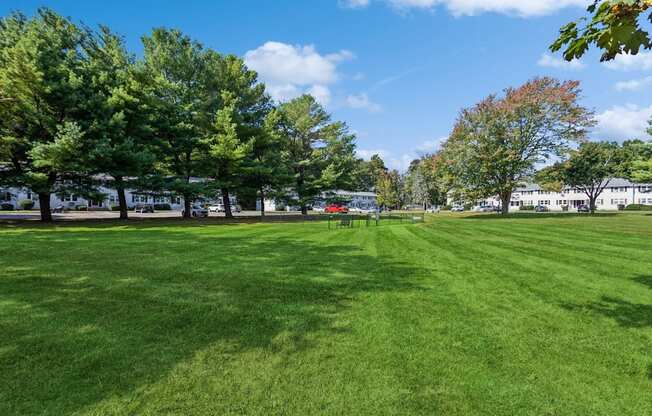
(5, 196)
(543, 202)
(69, 197)
(599, 202)
(516, 203)
(139, 198)
(160, 200)
(619, 201)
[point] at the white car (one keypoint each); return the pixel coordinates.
(216, 208)
(433, 210)
(457, 209)
(355, 209)
(318, 209)
(197, 211)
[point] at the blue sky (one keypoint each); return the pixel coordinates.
(397, 71)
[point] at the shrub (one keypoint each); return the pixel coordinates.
(468, 207)
(446, 208)
(162, 207)
(26, 204)
(638, 207)
(81, 208)
(6, 207)
(526, 208)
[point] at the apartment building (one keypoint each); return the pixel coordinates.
(619, 192)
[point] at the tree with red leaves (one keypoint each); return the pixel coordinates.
(496, 144)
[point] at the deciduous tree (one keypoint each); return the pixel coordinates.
(496, 144)
(614, 26)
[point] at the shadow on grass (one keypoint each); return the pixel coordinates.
(644, 280)
(626, 314)
(118, 310)
(533, 215)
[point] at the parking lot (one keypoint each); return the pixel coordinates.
(104, 215)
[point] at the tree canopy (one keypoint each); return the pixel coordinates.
(496, 145)
(614, 26)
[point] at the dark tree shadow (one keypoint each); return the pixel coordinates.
(626, 314)
(99, 312)
(644, 280)
(649, 372)
(534, 215)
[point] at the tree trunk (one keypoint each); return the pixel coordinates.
(592, 200)
(262, 202)
(505, 199)
(44, 206)
(304, 209)
(227, 203)
(122, 198)
(187, 207)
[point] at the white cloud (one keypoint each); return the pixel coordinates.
(321, 93)
(430, 146)
(523, 8)
(640, 62)
(362, 101)
(402, 162)
(291, 70)
(355, 4)
(634, 84)
(623, 123)
(366, 154)
(550, 61)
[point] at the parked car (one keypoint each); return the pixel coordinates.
(216, 208)
(355, 209)
(485, 208)
(457, 209)
(197, 211)
(318, 209)
(583, 208)
(144, 209)
(59, 209)
(336, 209)
(541, 208)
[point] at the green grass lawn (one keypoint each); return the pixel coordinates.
(531, 315)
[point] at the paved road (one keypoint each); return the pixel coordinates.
(98, 215)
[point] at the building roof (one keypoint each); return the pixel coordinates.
(613, 182)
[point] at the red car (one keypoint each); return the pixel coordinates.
(336, 209)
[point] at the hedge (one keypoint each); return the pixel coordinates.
(162, 207)
(26, 204)
(638, 207)
(526, 208)
(6, 207)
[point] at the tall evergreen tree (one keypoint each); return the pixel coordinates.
(176, 69)
(320, 152)
(123, 147)
(43, 105)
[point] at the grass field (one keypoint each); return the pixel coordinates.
(533, 315)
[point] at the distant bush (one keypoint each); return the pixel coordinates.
(162, 207)
(26, 204)
(81, 208)
(638, 207)
(526, 208)
(6, 207)
(446, 207)
(468, 207)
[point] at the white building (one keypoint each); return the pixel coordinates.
(618, 192)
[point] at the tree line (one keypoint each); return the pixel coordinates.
(79, 112)
(537, 132)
